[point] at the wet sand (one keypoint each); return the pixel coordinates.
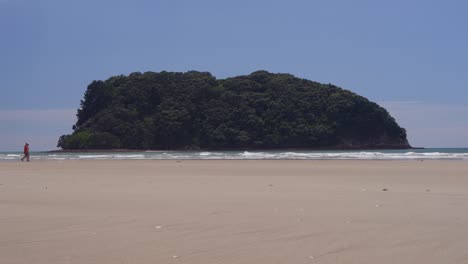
(234, 212)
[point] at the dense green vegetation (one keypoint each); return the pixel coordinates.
(194, 110)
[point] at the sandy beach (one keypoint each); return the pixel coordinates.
(220, 212)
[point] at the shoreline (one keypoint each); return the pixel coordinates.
(222, 150)
(420, 155)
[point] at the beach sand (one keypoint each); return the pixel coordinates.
(223, 212)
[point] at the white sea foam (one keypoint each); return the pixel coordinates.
(461, 154)
(129, 156)
(94, 156)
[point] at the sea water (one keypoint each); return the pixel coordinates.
(412, 154)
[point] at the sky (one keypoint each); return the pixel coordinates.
(409, 56)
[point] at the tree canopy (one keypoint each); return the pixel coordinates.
(194, 110)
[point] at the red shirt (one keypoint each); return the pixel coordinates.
(26, 149)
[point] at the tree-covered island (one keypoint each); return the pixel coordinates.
(194, 110)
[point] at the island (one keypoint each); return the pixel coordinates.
(196, 111)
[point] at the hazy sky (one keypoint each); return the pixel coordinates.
(409, 56)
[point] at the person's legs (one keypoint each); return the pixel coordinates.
(22, 159)
(27, 157)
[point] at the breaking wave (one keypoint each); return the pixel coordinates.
(423, 154)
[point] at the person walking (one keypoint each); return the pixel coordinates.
(26, 152)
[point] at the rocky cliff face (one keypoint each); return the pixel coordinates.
(382, 142)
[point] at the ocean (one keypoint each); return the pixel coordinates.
(412, 154)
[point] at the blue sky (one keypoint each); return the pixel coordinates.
(409, 56)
